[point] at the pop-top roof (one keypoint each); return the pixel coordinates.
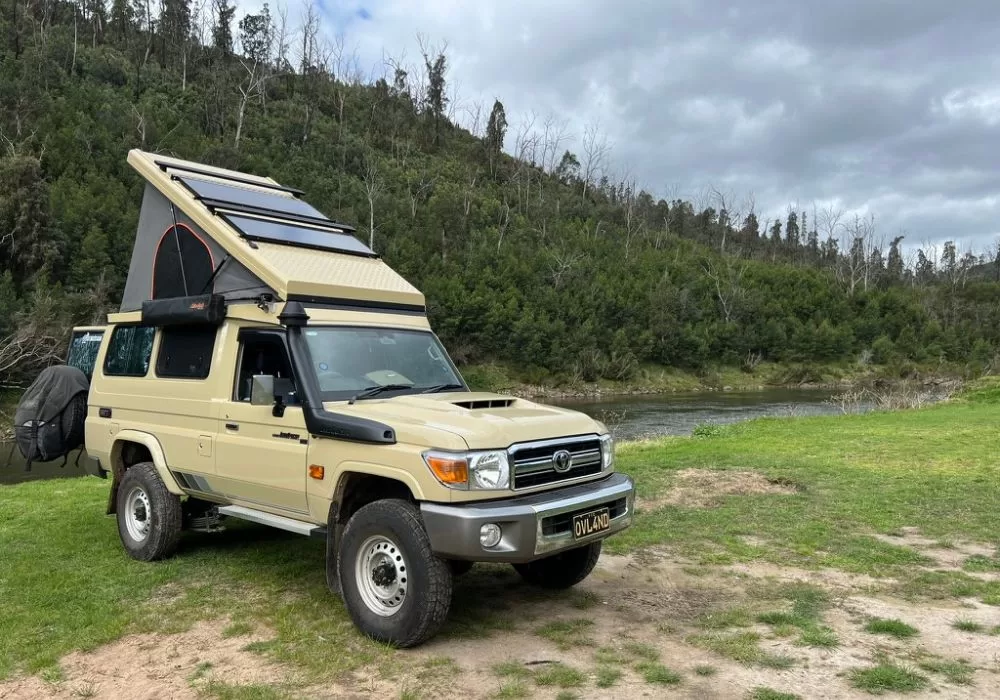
(288, 245)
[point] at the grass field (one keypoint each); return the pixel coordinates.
(847, 493)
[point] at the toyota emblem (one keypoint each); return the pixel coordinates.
(562, 461)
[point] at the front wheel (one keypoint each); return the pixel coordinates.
(149, 516)
(395, 588)
(561, 570)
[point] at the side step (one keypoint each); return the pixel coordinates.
(278, 521)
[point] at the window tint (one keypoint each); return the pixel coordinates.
(260, 355)
(83, 347)
(185, 352)
(129, 351)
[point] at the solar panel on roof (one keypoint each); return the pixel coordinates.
(290, 234)
(260, 199)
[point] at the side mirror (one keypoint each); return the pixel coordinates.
(267, 390)
(262, 390)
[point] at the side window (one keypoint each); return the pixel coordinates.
(260, 355)
(185, 352)
(83, 347)
(129, 351)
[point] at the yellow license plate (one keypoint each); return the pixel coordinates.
(587, 524)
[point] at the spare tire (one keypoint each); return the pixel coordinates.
(51, 416)
(74, 420)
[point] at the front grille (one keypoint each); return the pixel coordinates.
(532, 462)
(563, 523)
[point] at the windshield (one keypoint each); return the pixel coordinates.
(349, 360)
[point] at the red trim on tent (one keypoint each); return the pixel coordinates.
(211, 258)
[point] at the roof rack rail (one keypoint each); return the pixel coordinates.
(165, 166)
(216, 205)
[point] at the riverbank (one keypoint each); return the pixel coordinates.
(657, 379)
(842, 554)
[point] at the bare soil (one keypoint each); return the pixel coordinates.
(154, 667)
(702, 488)
(653, 598)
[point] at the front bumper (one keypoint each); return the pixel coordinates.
(533, 526)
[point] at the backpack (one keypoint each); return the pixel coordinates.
(49, 420)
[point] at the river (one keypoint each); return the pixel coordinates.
(629, 417)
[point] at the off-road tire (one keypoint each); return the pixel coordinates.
(561, 570)
(428, 578)
(73, 420)
(165, 516)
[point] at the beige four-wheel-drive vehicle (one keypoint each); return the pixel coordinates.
(266, 365)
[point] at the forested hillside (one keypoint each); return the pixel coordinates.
(544, 261)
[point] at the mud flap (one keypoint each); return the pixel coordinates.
(333, 533)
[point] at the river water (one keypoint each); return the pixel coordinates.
(629, 417)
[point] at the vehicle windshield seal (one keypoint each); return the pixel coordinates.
(348, 361)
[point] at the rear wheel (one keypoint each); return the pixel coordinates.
(561, 570)
(396, 589)
(149, 516)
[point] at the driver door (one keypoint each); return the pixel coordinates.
(261, 458)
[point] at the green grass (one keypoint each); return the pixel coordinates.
(933, 469)
(762, 693)
(821, 637)
(256, 691)
(892, 627)
(511, 669)
(743, 647)
(705, 670)
(511, 690)
(560, 675)
(607, 676)
(725, 619)
(657, 674)
(956, 672)
(238, 629)
(567, 633)
(967, 626)
(978, 563)
(887, 677)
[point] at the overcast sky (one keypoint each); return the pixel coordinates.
(890, 107)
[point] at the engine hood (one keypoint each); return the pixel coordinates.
(481, 420)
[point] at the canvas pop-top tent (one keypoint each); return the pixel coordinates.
(206, 230)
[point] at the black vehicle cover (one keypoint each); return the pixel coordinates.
(49, 419)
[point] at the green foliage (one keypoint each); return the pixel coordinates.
(891, 627)
(887, 677)
(522, 263)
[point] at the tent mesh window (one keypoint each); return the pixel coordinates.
(182, 265)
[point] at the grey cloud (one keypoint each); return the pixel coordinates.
(889, 106)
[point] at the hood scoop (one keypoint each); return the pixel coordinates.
(477, 404)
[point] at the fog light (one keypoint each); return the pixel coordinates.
(489, 535)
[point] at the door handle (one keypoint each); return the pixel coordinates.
(232, 426)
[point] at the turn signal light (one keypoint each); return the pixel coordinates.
(450, 470)
(316, 471)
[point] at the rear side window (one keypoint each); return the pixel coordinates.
(83, 347)
(129, 351)
(185, 352)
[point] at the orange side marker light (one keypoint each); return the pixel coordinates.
(316, 471)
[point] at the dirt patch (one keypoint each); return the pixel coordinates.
(153, 666)
(703, 488)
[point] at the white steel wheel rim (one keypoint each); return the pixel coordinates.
(138, 514)
(381, 574)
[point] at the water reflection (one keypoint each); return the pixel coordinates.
(632, 417)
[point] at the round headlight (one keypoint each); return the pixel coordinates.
(489, 470)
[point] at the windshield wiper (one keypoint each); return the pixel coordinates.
(376, 390)
(441, 387)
